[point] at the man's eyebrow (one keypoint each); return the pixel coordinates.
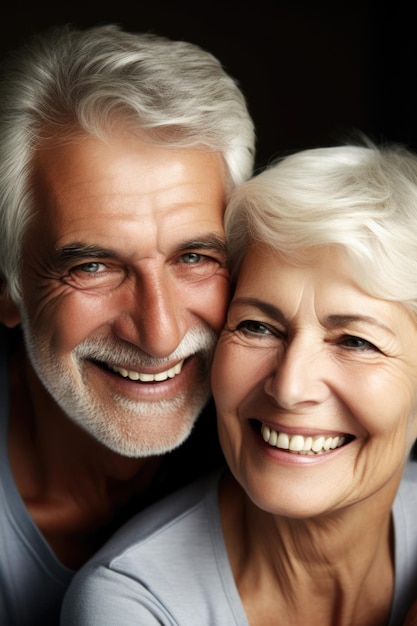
(266, 307)
(207, 242)
(79, 251)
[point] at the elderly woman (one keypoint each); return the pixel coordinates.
(315, 383)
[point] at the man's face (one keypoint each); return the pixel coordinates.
(125, 286)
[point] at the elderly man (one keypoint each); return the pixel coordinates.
(118, 153)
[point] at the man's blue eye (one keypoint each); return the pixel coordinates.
(191, 257)
(92, 267)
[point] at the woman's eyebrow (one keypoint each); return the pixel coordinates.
(331, 321)
(336, 320)
(266, 307)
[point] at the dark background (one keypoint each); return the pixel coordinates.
(312, 72)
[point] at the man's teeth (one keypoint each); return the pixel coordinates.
(300, 444)
(148, 378)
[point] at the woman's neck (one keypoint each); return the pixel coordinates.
(329, 571)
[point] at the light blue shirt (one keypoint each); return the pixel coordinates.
(169, 566)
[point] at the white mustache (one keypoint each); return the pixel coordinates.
(200, 340)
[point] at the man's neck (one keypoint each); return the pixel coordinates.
(76, 490)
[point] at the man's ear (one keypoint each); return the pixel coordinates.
(9, 312)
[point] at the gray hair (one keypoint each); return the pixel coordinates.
(69, 80)
(360, 198)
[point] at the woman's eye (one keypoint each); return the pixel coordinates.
(252, 326)
(358, 343)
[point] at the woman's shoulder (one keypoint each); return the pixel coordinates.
(405, 531)
(405, 505)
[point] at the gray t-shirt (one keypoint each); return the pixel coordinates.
(169, 566)
(32, 580)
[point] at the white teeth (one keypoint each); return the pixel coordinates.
(148, 378)
(283, 441)
(300, 444)
(296, 443)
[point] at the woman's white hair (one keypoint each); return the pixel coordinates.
(360, 198)
(70, 80)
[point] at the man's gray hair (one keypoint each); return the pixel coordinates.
(71, 80)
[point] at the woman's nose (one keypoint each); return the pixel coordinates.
(299, 378)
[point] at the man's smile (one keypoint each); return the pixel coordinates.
(147, 377)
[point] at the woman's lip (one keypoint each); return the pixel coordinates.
(300, 430)
(290, 458)
(309, 445)
(302, 442)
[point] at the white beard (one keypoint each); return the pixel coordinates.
(129, 428)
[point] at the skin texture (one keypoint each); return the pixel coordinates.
(123, 268)
(306, 352)
(113, 263)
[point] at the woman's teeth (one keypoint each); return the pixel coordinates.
(148, 378)
(300, 444)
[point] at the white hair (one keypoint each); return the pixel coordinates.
(69, 80)
(361, 198)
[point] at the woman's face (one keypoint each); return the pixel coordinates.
(315, 384)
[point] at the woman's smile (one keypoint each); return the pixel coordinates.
(315, 384)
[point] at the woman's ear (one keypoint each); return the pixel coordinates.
(9, 312)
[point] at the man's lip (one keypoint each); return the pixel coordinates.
(148, 377)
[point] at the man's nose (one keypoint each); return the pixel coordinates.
(299, 378)
(153, 316)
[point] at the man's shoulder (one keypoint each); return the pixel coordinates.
(174, 530)
(176, 515)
